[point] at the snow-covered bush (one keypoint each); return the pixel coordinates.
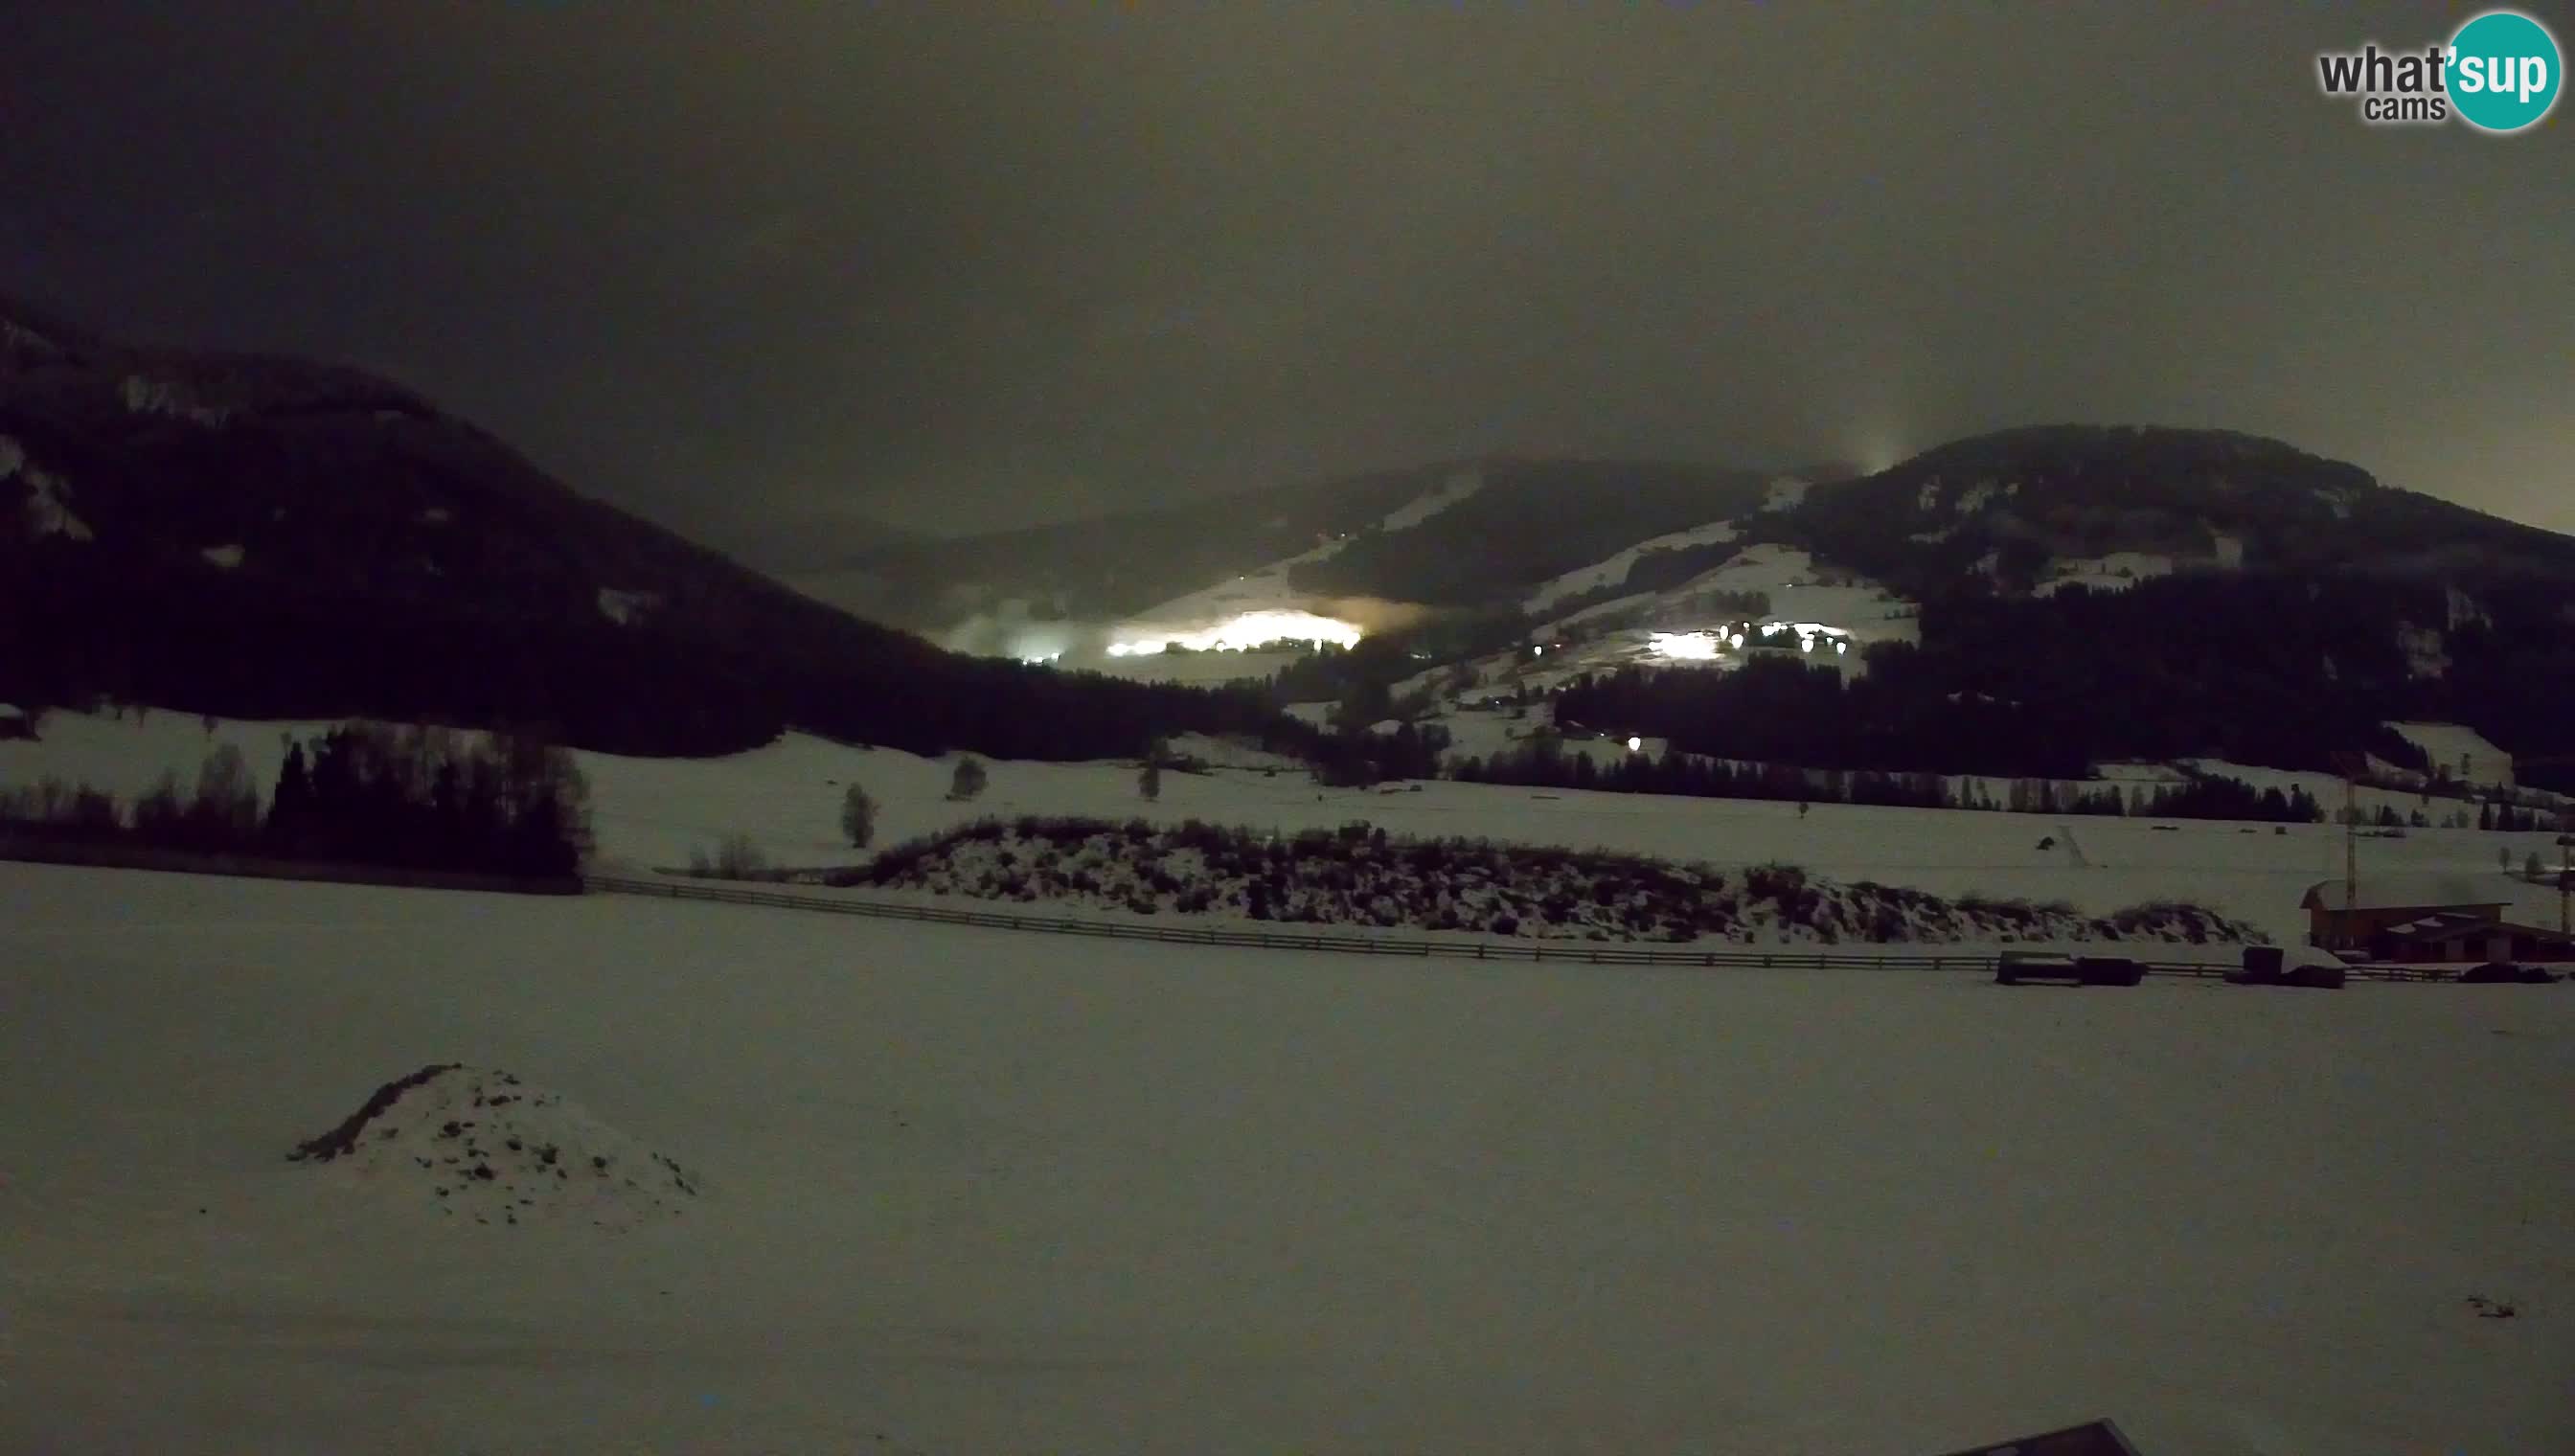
(1356, 875)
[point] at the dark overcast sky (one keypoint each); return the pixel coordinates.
(718, 261)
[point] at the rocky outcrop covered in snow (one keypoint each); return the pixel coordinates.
(1359, 876)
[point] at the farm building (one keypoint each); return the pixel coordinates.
(2431, 919)
(2448, 937)
(2378, 902)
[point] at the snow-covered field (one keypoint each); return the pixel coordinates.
(972, 1192)
(651, 813)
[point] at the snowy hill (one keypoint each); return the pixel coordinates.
(2026, 506)
(259, 536)
(1451, 533)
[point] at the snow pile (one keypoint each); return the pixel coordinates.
(1359, 876)
(481, 1144)
(222, 558)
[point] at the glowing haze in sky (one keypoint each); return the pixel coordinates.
(764, 270)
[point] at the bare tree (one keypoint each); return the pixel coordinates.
(858, 816)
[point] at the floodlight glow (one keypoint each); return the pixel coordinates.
(1634, 744)
(1247, 630)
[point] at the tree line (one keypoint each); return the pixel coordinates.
(360, 794)
(1544, 761)
(2273, 671)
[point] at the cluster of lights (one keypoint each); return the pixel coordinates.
(1702, 647)
(1241, 633)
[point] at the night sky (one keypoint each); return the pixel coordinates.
(742, 266)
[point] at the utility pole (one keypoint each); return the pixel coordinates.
(2565, 869)
(2350, 765)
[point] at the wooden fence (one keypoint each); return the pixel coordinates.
(126, 855)
(1586, 952)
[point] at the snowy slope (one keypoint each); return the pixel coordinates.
(1266, 589)
(2461, 750)
(1458, 487)
(1802, 591)
(974, 1192)
(1615, 569)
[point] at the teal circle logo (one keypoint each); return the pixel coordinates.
(2504, 71)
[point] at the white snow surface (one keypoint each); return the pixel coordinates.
(2426, 654)
(144, 396)
(1615, 569)
(472, 1146)
(1786, 492)
(2117, 572)
(2465, 610)
(979, 1192)
(1802, 591)
(45, 511)
(48, 513)
(1616, 606)
(222, 558)
(2462, 750)
(1458, 487)
(626, 608)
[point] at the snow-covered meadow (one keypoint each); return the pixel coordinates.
(973, 1192)
(651, 813)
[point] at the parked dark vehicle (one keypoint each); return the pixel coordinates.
(2264, 965)
(2025, 968)
(2506, 972)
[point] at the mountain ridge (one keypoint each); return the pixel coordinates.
(258, 535)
